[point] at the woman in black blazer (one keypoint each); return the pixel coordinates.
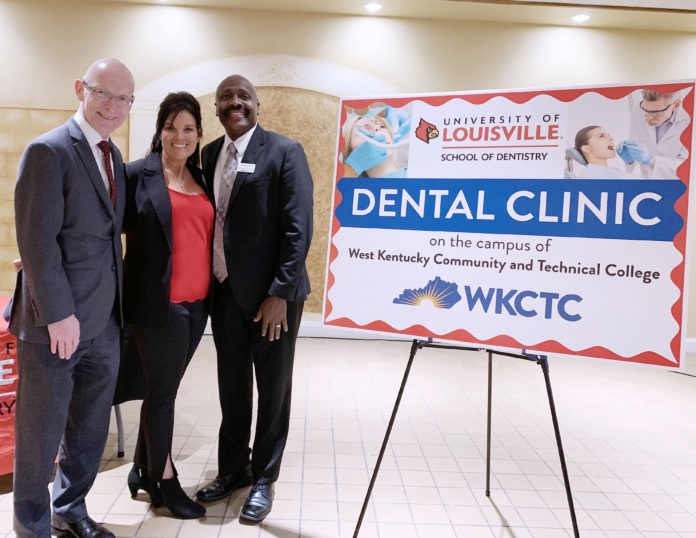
(168, 225)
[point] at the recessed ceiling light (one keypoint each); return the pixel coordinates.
(373, 7)
(580, 18)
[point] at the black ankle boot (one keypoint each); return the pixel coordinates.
(179, 504)
(138, 479)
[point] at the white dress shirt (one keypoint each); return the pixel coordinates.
(241, 145)
(93, 138)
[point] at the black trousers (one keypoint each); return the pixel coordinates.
(165, 352)
(241, 351)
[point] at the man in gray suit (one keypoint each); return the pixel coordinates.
(69, 203)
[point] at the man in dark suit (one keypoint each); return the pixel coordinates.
(69, 203)
(263, 192)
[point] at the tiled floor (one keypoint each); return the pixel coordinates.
(629, 433)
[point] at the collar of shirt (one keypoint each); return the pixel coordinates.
(661, 129)
(241, 145)
(93, 138)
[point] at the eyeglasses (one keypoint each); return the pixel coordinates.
(105, 96)
(655, 112)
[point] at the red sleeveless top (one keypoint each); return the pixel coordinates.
(193, 218)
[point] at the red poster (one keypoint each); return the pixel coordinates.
(8, 393)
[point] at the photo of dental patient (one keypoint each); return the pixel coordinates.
(376, 141)
(596, 146)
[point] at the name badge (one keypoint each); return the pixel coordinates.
(246, 168)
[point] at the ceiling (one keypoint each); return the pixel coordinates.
(677, 5)
(665, 15)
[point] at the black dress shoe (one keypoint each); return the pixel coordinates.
(259, 503)
(223, 486)
(85, 528)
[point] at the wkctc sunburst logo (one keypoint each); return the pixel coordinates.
(426, 131)
(437, 293)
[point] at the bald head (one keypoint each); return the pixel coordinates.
(236, 105)
(105, 92)
(110, 67)
(235, 80)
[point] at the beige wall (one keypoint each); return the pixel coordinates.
(51, 44)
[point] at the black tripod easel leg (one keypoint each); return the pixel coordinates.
(544, 363)
(488, 433)
(414, 347)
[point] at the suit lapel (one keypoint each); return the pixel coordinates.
(87, 157)
(253, 150)
(198, 177)
(119, 180)
(210, 160)
(156, 189)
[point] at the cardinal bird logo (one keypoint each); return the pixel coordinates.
(426, 131)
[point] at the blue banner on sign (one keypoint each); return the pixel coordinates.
(612, 209)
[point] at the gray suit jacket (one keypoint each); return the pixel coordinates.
(69, 237)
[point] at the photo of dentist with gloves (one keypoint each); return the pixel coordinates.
(376, 142)
(653, 143)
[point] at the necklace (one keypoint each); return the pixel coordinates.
(170, 176)
(178, 180)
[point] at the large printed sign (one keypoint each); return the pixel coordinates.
(550, 220)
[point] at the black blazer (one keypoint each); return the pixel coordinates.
(268, 227)
(147, 267)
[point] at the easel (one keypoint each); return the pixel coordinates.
(541, 360)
